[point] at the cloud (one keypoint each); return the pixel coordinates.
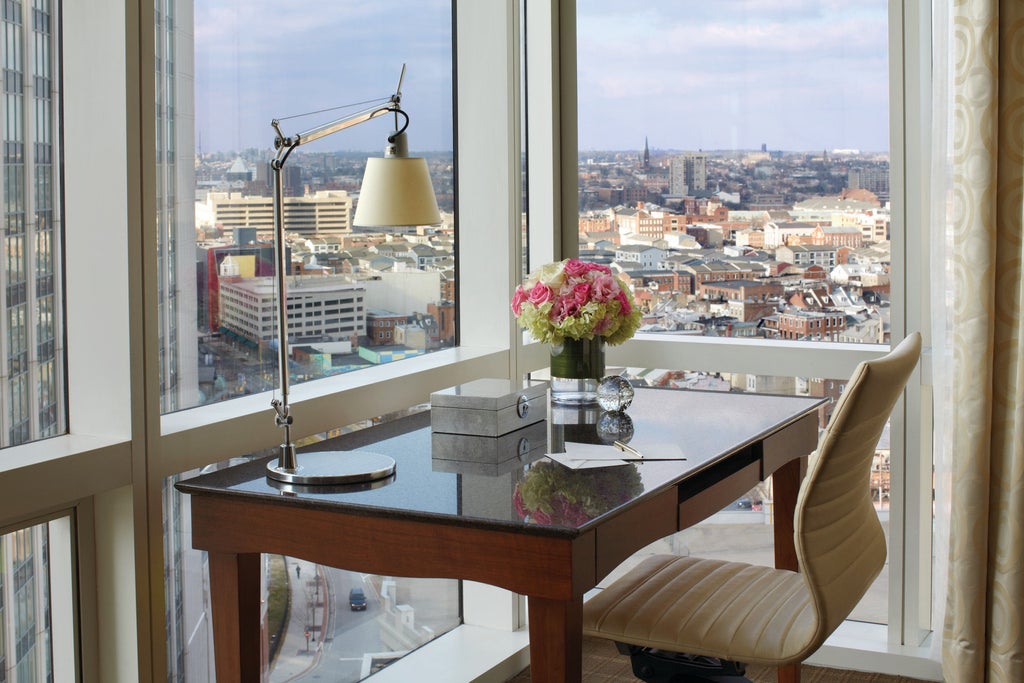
(796, 75)
(800, 74)
(262, 59)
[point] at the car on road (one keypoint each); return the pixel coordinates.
(357, 599)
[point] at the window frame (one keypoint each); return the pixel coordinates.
(110, 467)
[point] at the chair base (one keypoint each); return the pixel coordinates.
(658, 666)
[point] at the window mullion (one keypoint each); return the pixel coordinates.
(910, 526)
(489, 208)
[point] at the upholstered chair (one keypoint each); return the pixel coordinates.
(736, 612)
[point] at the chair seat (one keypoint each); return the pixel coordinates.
(733, 611)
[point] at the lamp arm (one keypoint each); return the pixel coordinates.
(394, 104)
(335, 126)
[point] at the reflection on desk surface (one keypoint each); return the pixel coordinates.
(705, 426)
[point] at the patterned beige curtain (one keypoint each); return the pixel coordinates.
(983, 638)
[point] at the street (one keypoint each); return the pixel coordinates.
(339, 638)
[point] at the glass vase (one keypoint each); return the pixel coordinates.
(577, 366)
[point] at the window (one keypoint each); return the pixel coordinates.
(722, 135)
(762, 160)
(34, 574)
(132, 425)
(215, 195)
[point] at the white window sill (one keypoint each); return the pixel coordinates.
(474, 654)
(408, 369)
(864, 647)
(469, 654)
(193, 438)
(51, 474)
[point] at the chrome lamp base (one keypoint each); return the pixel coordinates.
(332, 468)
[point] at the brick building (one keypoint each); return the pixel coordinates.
(740, 290)
(818, 325)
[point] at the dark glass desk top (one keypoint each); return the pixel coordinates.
(524, 489)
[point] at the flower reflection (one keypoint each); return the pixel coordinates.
(551, 494)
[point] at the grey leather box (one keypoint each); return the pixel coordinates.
(488, 407)
(493, 455)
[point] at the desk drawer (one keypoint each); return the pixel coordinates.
(706, 501)
(622, 536)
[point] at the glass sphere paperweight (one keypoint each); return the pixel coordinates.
(614, 393)
(614, 426)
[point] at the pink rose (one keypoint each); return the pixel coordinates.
(517, 502)
(518, 297)
(575, 268)
(540, 517)
(605, 288)
(581, 293)
(624, 307)
(564, 308)
(540, 294)
(600, 269)
(567, 513)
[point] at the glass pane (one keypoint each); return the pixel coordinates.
(32, 375)
(738, 184)
(356, 298)
(743, 531)
(25, 608)
(320, 623)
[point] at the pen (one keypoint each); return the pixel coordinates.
(628, 449)
(640, 456)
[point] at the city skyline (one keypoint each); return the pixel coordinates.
(686, 75)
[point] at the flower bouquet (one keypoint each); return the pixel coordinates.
(552, 495)
(576, 300)
(576, 307)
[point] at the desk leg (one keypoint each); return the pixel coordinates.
(235, 603)
(786, 483)
(556, 640)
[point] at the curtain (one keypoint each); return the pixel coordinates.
(983, 636)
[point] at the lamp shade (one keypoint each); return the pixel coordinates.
(396, 191)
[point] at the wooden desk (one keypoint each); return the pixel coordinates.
(425, 523)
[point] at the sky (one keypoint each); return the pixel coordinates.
(257, 60)
(801, 75)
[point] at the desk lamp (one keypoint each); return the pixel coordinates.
(396, 191)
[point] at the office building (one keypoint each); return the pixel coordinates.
(874, 179)
(33, 337)
(175, 183)
(688, 174)
(325, 212)
(321, 308)
(25, 606)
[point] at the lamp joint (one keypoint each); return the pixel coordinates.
(284, 416)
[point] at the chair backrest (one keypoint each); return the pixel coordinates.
(839, 541)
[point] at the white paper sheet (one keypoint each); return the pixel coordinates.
(585, 455)
(576, 464)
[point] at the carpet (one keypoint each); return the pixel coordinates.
(602, 663)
